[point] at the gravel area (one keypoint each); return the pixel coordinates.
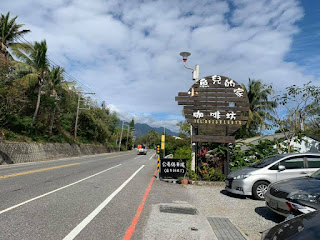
(248, 215)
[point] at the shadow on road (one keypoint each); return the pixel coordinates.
(229, 194)
(4, 158)
(269, 214)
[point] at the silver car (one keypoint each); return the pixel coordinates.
(254, 180)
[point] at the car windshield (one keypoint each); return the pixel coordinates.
(265, 162)
(315, 175)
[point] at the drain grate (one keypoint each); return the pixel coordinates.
(178, 209)
(224, 229)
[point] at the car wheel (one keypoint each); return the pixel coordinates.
(259, 189)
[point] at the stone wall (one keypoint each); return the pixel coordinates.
(14, 152)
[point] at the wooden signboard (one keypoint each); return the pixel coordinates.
(217, 105)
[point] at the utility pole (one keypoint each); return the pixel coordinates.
(127, 137)
(77, 116)
(117, 139)
(121, 136)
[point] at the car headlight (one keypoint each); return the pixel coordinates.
(308, 197)
(242, 176)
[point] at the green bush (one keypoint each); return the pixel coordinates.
(185, 153)
(210, 174)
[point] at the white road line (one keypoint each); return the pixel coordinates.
(138, 157)
(95, 212)
(56, 190)
(151, 157)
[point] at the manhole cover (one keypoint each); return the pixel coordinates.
(224, 229)
(178, 209)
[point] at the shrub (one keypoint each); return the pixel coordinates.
(210, 174)
(185, 153)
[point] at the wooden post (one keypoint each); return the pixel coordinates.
(227, 161)
(196, 131)
(193, 151)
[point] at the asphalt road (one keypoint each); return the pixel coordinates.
(92, 197)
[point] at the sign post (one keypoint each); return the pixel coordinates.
(163, 142)
(216, 106)
(158, 157)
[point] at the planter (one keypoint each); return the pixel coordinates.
(184, 181)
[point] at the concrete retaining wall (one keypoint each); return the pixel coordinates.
(14, 152)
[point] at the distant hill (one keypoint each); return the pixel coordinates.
(141, 129)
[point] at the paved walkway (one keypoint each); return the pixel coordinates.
(224, 229)
(182, 221)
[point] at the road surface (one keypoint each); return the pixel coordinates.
(107, 196)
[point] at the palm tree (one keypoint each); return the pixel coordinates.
(153, 137)
(33, 66)
(56, 84)
(259, 104)
(10, 32)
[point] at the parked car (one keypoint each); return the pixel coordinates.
(255, 179)
(288, 196)
(302, 227)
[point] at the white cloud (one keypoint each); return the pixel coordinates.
(128, 51)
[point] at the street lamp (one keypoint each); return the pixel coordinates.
(196, 71)
(77, 116)
(195, 77)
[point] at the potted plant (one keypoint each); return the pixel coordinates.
(184, 180)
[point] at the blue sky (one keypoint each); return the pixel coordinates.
(127, 51)
(306, 45)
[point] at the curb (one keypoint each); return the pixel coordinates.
(197, 183)
(204, 183)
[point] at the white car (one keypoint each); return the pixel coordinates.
(142, 150)
(254, 180)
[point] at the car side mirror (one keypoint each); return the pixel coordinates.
(281, 168)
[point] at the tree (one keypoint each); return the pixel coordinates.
(12, 98)
(313, 122)
(295, 105)
(56, 84)
(10, 32)
(259, 105)
(184, 129)
(131, 124)
(34, 66)
(153, 138)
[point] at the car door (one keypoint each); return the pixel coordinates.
(295, 167)
(313, 163)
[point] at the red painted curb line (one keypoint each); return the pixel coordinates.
(135, 220)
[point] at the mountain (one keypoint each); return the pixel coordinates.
(141, 129)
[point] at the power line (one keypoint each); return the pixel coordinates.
(66, 74)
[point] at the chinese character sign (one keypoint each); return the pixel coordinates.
(198, 114)
(172, 168)
(231, 116)
(204, 82)
(239, 92)
(216, 115)
(216, 79)
(213, 103)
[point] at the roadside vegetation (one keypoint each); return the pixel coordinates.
(37, 103)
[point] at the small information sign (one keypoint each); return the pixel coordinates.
(172, 168)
